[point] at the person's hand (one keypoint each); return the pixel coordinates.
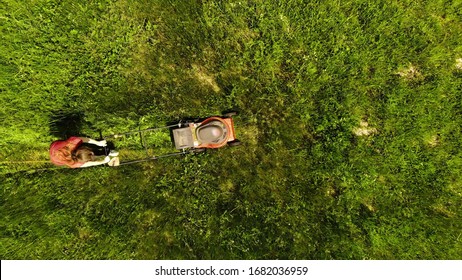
(107, 159)
(102, 143)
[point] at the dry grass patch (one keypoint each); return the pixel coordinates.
(443, 210)
(459, 63)
(227, 186)
(410, 73)
(369, 206)
(331, 191)
(205, 78)
(364, 130)
(432, 141)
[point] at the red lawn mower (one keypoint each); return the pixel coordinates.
(210, 133)
(193, 136)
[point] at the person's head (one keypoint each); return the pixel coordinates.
(83, 154)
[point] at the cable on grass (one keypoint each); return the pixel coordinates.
(47, 162)
(24, 161)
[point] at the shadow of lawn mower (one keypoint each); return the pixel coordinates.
(194, 136)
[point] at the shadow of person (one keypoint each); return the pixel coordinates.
(64, 124)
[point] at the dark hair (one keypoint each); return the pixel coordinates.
(83, 154)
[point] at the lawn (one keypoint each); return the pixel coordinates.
(350, 114)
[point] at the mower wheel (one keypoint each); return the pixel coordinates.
(230, 114)
(199, 150)
(234, 143)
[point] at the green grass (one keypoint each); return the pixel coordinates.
(350, 115)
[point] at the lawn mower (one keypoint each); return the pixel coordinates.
(210, 133)
(193, 136)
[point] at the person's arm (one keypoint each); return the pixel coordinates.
(94, 163)
(101, 143)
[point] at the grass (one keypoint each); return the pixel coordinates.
(350, 115)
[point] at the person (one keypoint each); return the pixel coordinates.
(78, 152)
